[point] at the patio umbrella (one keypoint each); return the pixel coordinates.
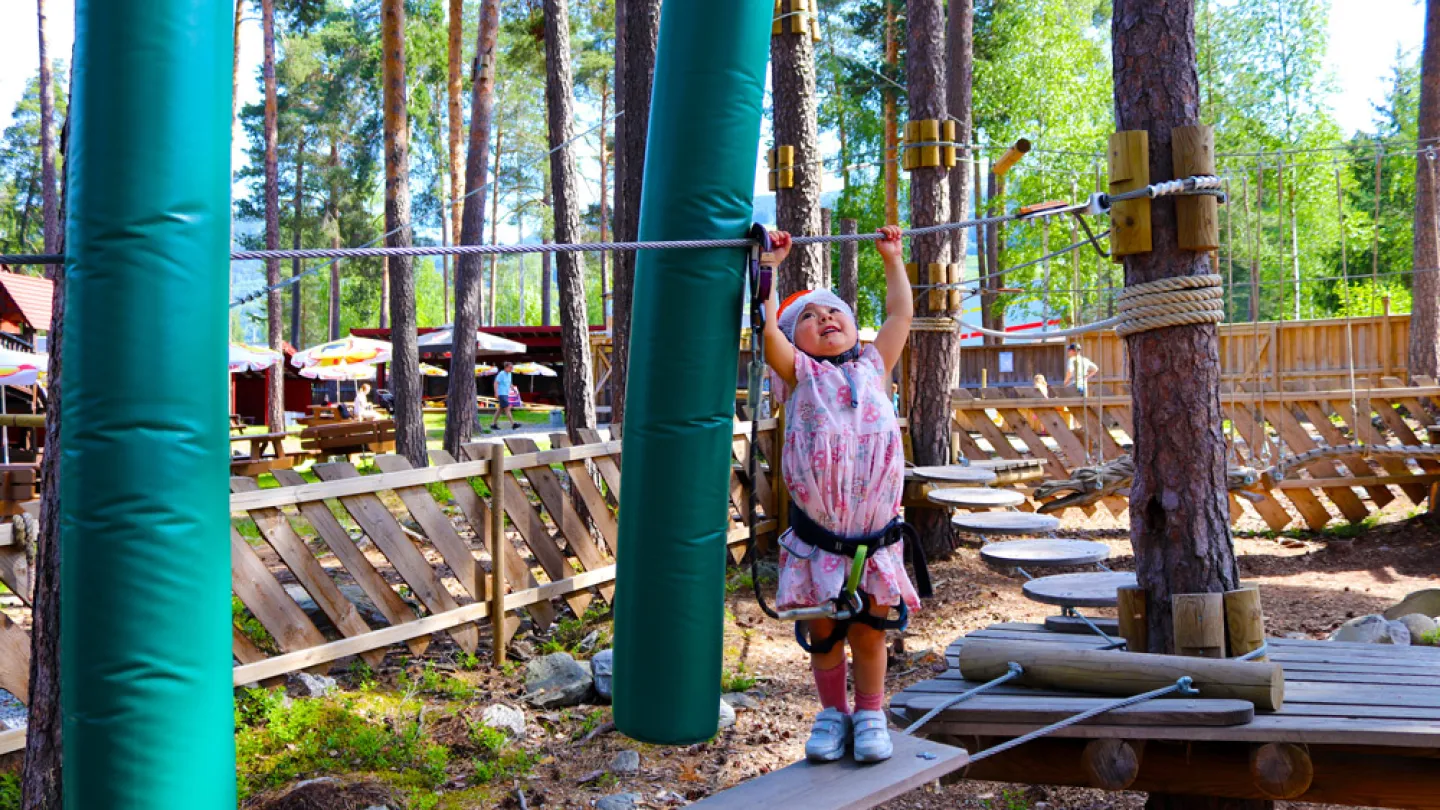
(427, 370)
(535, 370)
(485, 370)
(18, 368)
(441, 340)
(340, 372)
(251, 358)
(345, 351)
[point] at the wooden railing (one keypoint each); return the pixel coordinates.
(1070, 431)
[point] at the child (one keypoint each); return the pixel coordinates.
(843, 463)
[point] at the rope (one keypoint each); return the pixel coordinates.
(1015, 671)
(1092, 482)
(1167, 302)
(1184, 686)
(1281, 469)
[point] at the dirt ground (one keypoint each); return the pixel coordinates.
(1311, 583)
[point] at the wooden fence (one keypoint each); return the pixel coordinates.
(414, 546)
(1276, 353)
(1067, 431)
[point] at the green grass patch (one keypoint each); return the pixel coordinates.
(568, 633)
(9, 791)
(737, 680)
(1431, 638)
(432, 681)
(251, 627)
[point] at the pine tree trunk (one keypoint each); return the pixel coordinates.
(40, 783)
(385, 291)
(405, 365)
(849, 282)
(797, 209)
(960, 40)
(934, 354)
(461, 416)
(1425, 312)
(274, 310)
(604, 196)
(574, 320)
(546, 266)
(637, 33)
(892, 135)
(1179, 520)
(297, 305)
(454, 86)
(235, 64)
(334, 333)
(49, 193)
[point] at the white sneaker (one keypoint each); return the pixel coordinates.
(872, 736)
(828, 736)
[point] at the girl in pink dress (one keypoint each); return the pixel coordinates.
(843, 463)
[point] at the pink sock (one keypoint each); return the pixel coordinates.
(830, 683)
(869, 703)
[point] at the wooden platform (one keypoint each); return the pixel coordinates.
(953, 474)
(1006, 523)
(975, 497)
(1044, 553)
(1368, 716)
(843, 785)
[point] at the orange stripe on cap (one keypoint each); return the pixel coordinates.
(792, 298)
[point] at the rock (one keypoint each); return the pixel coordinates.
(303, 684)
(619, 801)
(740, 701)
(557, 680)
(1372, 629)
(506, 718)
(588, 644)
(1426, 602)
(727, 715)
(1399, 634)
(521, 650)
(354, 593)
(602, 668)
(1419, 626)
(1298, 636)
(625, 763)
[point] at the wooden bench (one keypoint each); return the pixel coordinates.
(17, 487)
(266, 453)
(349, 438)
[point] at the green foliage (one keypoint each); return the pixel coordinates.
(283, 741)
(9, 791)
(737, 680)
(1431, 638)
(1009, 799)
(21, 222)
(433, 681)
(567, 634)
(251, 627)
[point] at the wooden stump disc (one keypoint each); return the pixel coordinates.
(975, 497)
(1111, 764)
(954, 474)
(1281, 770)
(1006, 523)
(1079, 590)
(1043, 553)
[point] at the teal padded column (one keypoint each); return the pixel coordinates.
(145, 548)
(685, 340)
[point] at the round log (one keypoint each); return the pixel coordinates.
(1045, 553)
(1111, 672)
(1281, 770)
(1131, 610)
(1111, 764)
(975, 497)
(1199, 624)
(1245, 621)
(1086, 589)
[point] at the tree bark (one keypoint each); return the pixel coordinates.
(40, 783)
(991, 316)
(637, 33)
(297, 306)
(827, 271)
(454, 86)
(934, 354)
(546, 264)
(574, 320)
(49, 194)
(1425, 311)
(1179, 519)
(797, 209)
(235, 65)
(461, 416)
(849, 282)
(960, 40)
(405, 364)
(892, 135)
(495, 212)
(334, 333)
(274, 310)
(604, 198)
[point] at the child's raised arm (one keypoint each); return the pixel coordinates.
(899, 303)
(779, 353)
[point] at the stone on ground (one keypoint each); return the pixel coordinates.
(1419, 626)
(1426, 602)
(740, 701)
(1372, 629)
(354, 593)
(303, 684)
(602, 668)
(1399, 634)
(557, 680)
(506, 718)
(625, 763)
(619, 801)
(727, 715)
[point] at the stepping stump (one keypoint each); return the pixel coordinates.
(1044, 553)
(1005, 523)
(954, 474)
(1079, 590)
(975, 498)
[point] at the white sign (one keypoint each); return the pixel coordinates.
(1007, 362)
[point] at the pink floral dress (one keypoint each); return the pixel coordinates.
(845, 468)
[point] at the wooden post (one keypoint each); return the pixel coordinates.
(936, 276)
(1245, 621)
(1131, 609)
(1385, 338)
(1198, 217)
(1129, 170)
(497, 550)
(1010, 158)
(1281, 770)
(1111, 764)
(1199, 624)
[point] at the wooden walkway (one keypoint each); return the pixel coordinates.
(1367, 715)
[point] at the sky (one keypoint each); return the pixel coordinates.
(1364, 36)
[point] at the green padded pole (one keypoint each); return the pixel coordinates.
(684, 351)
(144, 535)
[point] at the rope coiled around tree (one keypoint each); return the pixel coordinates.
(1178, 301)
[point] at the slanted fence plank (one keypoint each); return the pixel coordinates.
(438, 528)
(562, 513)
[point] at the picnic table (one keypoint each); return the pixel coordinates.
(349, 437)
(266, 452)
(323, 415)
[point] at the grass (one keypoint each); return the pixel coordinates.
(737, 680)
(568, 633)
(10, 791)
(1431, 638)
(251, 627)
